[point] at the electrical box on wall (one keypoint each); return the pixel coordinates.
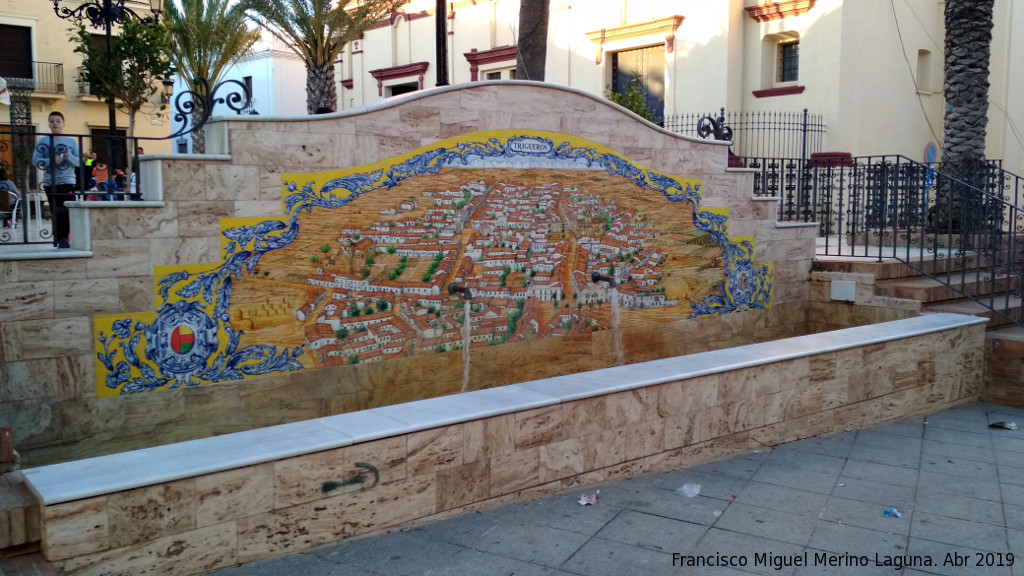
(844, 290)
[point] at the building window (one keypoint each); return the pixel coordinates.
(389, 75)
(15, 51)
(924, 71)
(509, 74)
(788, 68)
(399, 89)
(646, 66)
(492, 60)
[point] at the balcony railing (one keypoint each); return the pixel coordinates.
(48, 77)
(84, 88)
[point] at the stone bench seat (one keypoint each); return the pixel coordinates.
(76, 480)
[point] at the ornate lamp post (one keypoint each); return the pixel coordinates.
(104, 14)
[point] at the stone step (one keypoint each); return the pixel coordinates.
(19, 516)
(927, 290)
(1010, 305)
(26, 565)
(895, 279)
(890, 268)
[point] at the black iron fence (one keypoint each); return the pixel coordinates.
(41, 171)
(967, 235)
(770, 134)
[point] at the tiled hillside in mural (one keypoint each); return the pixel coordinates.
(490, 239)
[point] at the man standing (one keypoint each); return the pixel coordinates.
(57, 156)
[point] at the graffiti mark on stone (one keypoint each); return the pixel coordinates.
(358, 478)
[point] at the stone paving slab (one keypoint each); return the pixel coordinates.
(811, 507)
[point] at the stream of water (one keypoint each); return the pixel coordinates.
(466, 329)
(620, 355)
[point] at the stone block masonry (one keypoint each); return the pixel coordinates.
(216, 502)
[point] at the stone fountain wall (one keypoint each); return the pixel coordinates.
(48, 344)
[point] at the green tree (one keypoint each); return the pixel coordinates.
(633, 98)
(132, 71)
(206, 36)
(317, 31)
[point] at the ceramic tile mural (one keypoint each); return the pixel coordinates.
(527, 234)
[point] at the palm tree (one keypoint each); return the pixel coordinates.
(533, 39)
(968, 46)
(206, 36)
(317, 31)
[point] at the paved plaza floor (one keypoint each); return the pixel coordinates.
(944, 489)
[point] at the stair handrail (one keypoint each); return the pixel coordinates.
(975, 252)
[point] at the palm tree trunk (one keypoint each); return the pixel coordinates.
(321, 92)
(968, 46)
(199, 135)
(533, 39)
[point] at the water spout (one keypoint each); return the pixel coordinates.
(460, 290)
(596, 277)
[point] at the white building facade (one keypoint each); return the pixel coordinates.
(274, 76)
(873, 69)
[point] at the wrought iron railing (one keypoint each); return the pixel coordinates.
(765, 134)
(19, 144)
(893, 207)
(32, 222)
(84, 88)
(49, 77)
(46, 77)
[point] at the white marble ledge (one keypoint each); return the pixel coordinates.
(40, 252)
(795, 224)
(98, 204)
(80, 479)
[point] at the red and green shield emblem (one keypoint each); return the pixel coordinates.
(182, 339)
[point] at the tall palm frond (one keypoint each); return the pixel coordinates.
(206, 36)
(317, 31)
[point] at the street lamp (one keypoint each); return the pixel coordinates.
(168, 84)
(104, 14)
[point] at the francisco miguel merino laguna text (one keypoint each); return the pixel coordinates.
(777, 561)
